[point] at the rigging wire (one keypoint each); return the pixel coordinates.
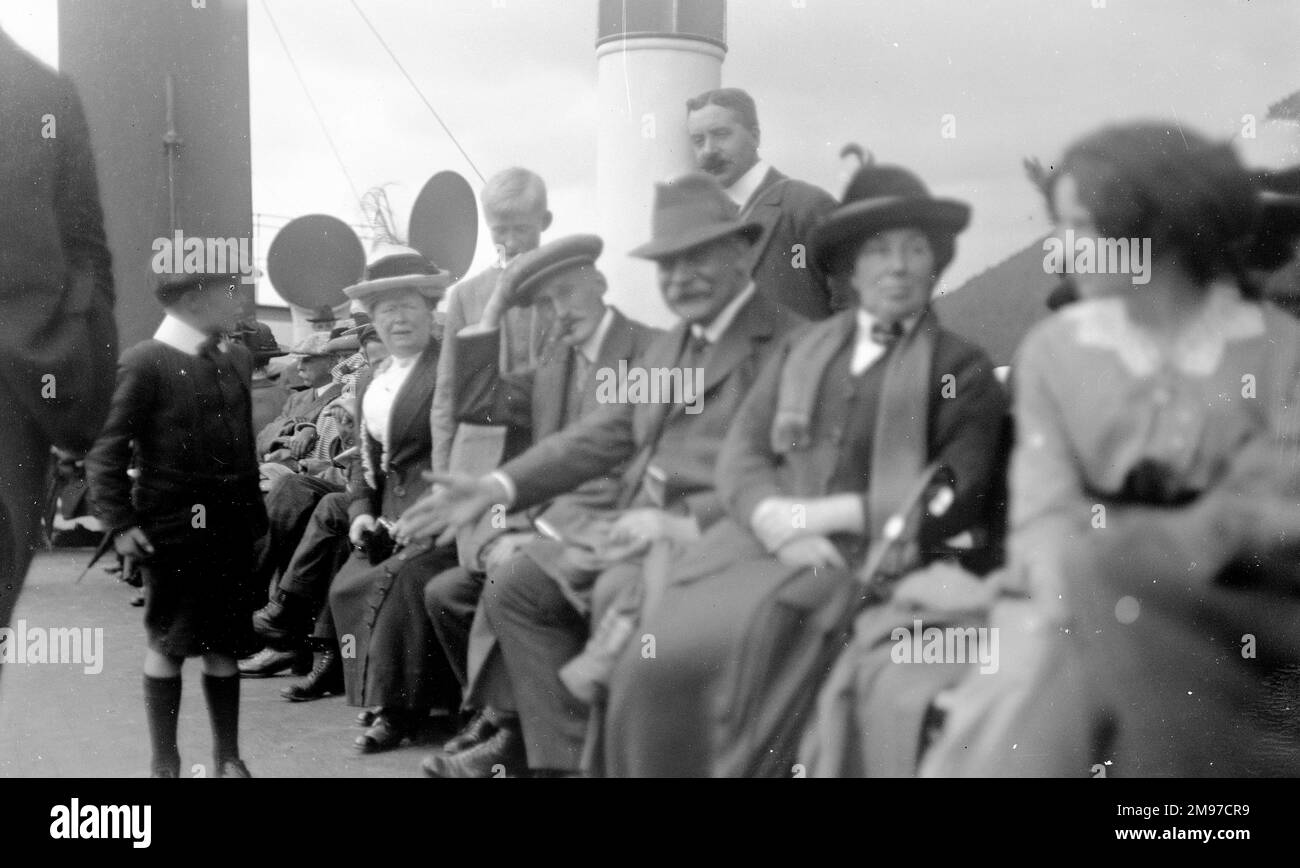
(418, 92)
(315, 109)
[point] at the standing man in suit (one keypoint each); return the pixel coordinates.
(724, 132)
(588, 337)
(515, 209)
(669, 447)
(58, 347)
(183, 408)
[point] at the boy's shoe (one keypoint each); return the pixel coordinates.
(233, 768)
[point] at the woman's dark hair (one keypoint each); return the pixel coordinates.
(1160, 181)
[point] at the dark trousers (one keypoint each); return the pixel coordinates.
(289, 507)
(450, 599)
(538, 631)
(321, 552)
(24, 459)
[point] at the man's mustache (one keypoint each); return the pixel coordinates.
(714, 164)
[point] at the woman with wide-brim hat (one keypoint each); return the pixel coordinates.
(838, 426)
(403, 675)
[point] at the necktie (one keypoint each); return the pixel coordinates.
(578, 374)
(697, 347)
(208, 349)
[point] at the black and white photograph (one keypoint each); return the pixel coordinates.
(527, 389)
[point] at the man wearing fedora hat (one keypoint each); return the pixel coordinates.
(725, 330)
(835, 433)
(588, 337)
(322, 319)
(182, 408)
(724, 132)
(269, 390)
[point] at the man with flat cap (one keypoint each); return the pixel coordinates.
(182, 408)
(668, 444)
(586, 337)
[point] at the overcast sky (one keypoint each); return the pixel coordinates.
(516, 82)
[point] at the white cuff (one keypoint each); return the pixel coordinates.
(506, 483)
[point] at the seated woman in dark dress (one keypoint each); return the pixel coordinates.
(838, 426)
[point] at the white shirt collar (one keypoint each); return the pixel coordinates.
(866, 319)
(742, 190)
(714, 331)
(181, 335)
(590, 348)
(866, 350)
(320, 390)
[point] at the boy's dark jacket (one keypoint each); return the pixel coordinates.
(154, 408)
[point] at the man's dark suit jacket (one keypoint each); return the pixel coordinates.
(56, 280)
(374, 490)
(788, 210)
(531, 402)
(686, 448)
(301, 406)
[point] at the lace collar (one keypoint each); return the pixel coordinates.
(1225, 317)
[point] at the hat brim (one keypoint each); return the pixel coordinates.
(431, 286)
(661, 248)
(344, 343)
(270, 354)
(857, 221)
(525, 294)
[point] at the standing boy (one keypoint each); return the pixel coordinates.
(194, 512)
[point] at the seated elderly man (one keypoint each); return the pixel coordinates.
(291, 500)
(833, 438)
(588, 343)
(669, 438)
(292, 434)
